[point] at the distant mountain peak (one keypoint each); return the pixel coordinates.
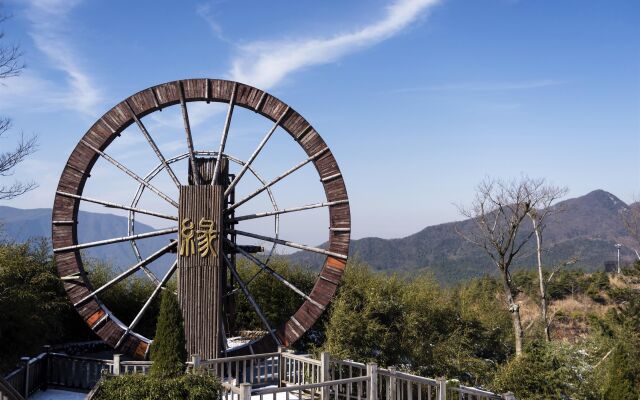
(587, 228)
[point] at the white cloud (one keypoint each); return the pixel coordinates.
(264, 64)
(207, 11)
(49, 20)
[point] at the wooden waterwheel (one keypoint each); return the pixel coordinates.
(205, 220)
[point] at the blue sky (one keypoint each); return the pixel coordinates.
(418, 100)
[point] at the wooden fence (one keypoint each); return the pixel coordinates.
(55, 369)
(7, 392)
(271, 376)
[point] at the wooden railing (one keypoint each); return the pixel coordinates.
(55, 369)
(256, 369)
(302, 370)
(393, 384)
(294, 376)
(8, 392)
(118, 367)
(339, 369)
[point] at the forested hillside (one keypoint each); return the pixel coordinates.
(463, 332)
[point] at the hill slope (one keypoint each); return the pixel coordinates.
(588, 229)
(20, 225)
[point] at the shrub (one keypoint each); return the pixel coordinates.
(168, 350)
(540, 372)
(143, 387)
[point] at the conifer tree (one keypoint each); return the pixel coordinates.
(168, 350)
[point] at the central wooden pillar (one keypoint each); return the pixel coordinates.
(201, 268)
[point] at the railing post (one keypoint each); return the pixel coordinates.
(245, 391)
(442, 388)
(372, 372)
(509, 396)
(281, 365)
(195, 359)
(393, 387)
(325, 358)
(25, 361)
(45, 378)
(116, 364)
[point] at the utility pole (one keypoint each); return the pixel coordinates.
(618, 245)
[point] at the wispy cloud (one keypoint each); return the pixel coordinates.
(266, 63)
(207, 11)
(484, 86)
(49, 21)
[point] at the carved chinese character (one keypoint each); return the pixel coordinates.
(206, 235)
(187, 244)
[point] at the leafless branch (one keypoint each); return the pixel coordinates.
(11, 66)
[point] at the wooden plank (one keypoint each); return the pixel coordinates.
(199, 274)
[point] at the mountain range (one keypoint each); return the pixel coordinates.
(587, 229)
(20, 225)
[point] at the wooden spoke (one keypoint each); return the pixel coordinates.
(287, 210)
(257, 151)
(250, 298)
(153, 145)
(117, 240)
(146, 305)
(187, 129)
(273, 273)
(289, 244)
(130, 173)
(109, 204)
(128, 272)
(225, 133)
(276, 180)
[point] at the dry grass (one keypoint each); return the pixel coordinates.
(579, 304)
(569, 321)
(621, 281)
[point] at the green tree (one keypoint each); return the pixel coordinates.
(539, 373)
(277, 301)
(168, 350)
(33, 306)
(621, 378)
(417, 325)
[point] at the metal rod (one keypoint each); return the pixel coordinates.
(128, 272)
(276, 275)
(130, 173)
(225, 133)
(109, 204)
(287, 210)
(288, 243)
(250, 298)
(276, 180)
(255, 153)
(146, 305)
(187, 129)
(153, 145)
(117, 240)
(330, 177)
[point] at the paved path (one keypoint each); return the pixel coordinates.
(54, 394)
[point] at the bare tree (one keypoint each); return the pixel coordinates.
(499, 211)
(11, 66)
(546, 196)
